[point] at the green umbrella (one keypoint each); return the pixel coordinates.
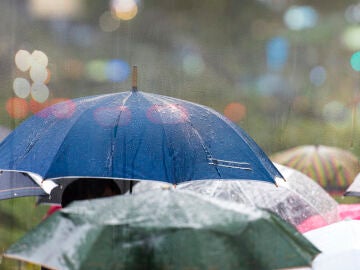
(163, 229)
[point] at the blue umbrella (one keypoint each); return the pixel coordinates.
(134, 135)
(17, 184)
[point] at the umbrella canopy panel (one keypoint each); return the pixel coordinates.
(163, 230)
(333, 168)
(137, 136)
(296, 200)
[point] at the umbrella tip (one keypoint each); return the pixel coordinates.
(278, 180)
(134, 79)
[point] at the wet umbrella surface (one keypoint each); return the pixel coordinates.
(163, 229)
(299, 201)
(134, 136)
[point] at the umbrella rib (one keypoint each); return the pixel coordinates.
(71, 127)
(162, 126)
(111, 156)
(31, 145)
(294, 191)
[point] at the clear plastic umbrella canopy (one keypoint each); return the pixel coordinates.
(300, 200)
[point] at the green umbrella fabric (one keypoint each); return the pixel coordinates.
(163, 229)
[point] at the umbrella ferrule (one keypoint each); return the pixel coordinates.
(134, 79)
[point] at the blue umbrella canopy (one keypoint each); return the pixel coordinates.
(134, 135)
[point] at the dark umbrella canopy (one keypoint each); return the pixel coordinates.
(135, 136)
(163, 229)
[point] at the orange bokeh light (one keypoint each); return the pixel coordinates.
(17, 108)
(126, 15)
(36, 107)
(235, 111)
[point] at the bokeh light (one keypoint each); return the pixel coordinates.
(95, 70)
(21, 87)
(124, 9)
(117, 70)
(112, 116)
(38, 73)
(23, 60)
(351, 38)
(235, 111)
(167, 114)
(39, 92)
(193, 64)
(56, 9)
(17, 108)
(277, 52)
(36, 107)
(108, 23)
(335, 112)
(352, 13)
(317, 75)
(300, 17)
(355, 61)
(39, 58)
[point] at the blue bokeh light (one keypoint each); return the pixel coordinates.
(117, 70)
(300, 17)
(277, 52)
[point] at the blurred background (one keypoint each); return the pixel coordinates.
(287, 72)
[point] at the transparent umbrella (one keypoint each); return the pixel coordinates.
(300, 200)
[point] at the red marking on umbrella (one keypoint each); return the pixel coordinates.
(112, 116)
(167, 114)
